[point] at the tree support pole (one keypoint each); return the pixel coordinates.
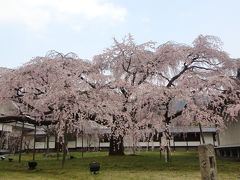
(34, 142)
(160, 147)
(64, 146)
(58, 149)
(76, 140)
(47, 152)
(201, 133)
(21, 141)
(2, 137)
(82, 143)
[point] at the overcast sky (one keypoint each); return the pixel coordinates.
(30, 28)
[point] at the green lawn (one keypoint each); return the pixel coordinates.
(143, 166)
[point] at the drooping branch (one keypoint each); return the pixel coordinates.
(145, 76)
(128, 66)
(200, 67)
(124, 92)
(89, 83)
(170, 83)
(164, 77)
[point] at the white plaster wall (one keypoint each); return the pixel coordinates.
(193, 143)
(231, 136)
(94, 142)
(88, 141)
(71, 144)
(104, 144)
(5, 127)
(208, 137)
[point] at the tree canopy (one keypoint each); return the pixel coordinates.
(131, 88)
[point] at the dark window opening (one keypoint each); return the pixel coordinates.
(187, 137)
(71, 137)
(40, 138)
(104, 138)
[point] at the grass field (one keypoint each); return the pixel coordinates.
(143, 166)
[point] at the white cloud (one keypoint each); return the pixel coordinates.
(37, 14)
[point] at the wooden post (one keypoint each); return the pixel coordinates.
(64, 146)
(231, 153)
(34, 142)
(2, 137)
(47, 151)
(174, 148)
(57, 144)
(218, 138)
(14, 146)
(58, 148)
(148, 144)
(201, 133)
(21, 141)
(160, 147)
(76, 136)
(99, 145)
(214, 137)
(82, 143)
(87, 139)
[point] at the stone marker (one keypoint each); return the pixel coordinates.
(207, 161)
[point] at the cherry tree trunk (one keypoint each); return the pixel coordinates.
(116, 145)
(168, 152)
(166, 138)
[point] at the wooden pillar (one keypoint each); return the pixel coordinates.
(76, 136)
(21, 141)
(174, 148)
(218, 138)
(224, 153)
(64, 146)
(2, 137)
(200, 142)
(231, 152)
(47, 150)
(214, 137)
(148, 144)
(87, 138)
(99, 138)
(57, 146)
(82, 143)
(201, 133)
(34, 142)
(57, 143)
(160, 147)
